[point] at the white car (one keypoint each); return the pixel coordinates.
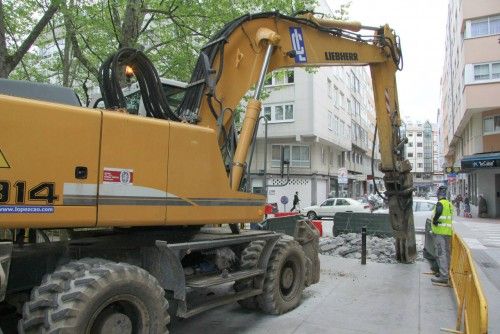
(333, 205)
(422, 210)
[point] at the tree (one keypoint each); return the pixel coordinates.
(17, 33)
(171, 32)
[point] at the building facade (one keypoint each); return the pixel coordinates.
(470, 102)
(323, 124)
(422, 152)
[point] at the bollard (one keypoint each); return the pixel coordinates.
(363, 245)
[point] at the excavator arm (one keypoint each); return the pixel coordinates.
(237, 60)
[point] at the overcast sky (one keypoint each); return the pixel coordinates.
(421, 24)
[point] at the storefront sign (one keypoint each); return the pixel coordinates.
(480, 164)
(342, 178)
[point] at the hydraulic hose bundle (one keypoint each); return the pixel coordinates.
(154, 99)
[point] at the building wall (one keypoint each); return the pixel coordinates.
(477, 8)
(469, 93)
(323, 121)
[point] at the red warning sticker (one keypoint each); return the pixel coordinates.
(118, 175)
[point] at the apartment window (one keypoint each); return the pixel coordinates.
(485, 26)
(419, 165)
(341, 159)
(491, 124)
(419, 144)
(300, 156)
(410, 134)
(279, 113)
(336, 96)
(329, 87)
(357, 108)
(355, 84)
(419, 134)
(420, 155)
(487, 71)
(410, 144)
(281, 77)
(329, 120)
(349, 106)
(410, 155)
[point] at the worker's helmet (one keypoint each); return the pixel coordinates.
(441, 192)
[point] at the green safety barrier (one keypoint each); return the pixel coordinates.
(286, 224)
(352, 222)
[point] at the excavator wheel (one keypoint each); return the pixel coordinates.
(96, 296)
(285, 278)
(249, 259)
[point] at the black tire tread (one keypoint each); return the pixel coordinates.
(249, 259)
(269, 301)
(55, 304)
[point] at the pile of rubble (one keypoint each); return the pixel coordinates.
(378, 249)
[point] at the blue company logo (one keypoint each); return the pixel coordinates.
(298, 44)
(26, 209)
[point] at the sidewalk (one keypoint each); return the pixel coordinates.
(350, 298)
(483, 238)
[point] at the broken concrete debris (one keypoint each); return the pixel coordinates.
(378, 249)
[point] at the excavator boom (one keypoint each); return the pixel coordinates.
(253, 45)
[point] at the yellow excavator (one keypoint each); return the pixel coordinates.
(102, 209)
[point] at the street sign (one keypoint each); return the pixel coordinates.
(342, 178)
(284, 200)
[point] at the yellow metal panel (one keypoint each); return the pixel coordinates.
(197, 176)
(472, 304)
(3, 161)
(138, 145)
(43, 143)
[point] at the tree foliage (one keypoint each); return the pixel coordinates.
(18, 32)
(82, 33)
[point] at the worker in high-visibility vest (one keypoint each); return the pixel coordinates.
(442, 228)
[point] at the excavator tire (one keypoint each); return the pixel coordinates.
(285, 278)
(96, 296)
(249, 259)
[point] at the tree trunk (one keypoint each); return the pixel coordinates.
(68, 48)
(9, 63)
(131, 25)
(3, 46)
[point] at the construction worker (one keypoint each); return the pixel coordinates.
(442, 229)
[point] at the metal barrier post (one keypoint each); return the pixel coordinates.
(363, 245)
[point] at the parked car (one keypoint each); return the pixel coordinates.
(333, 205)
(422, 210)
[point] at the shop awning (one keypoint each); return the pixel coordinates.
(481, 161)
